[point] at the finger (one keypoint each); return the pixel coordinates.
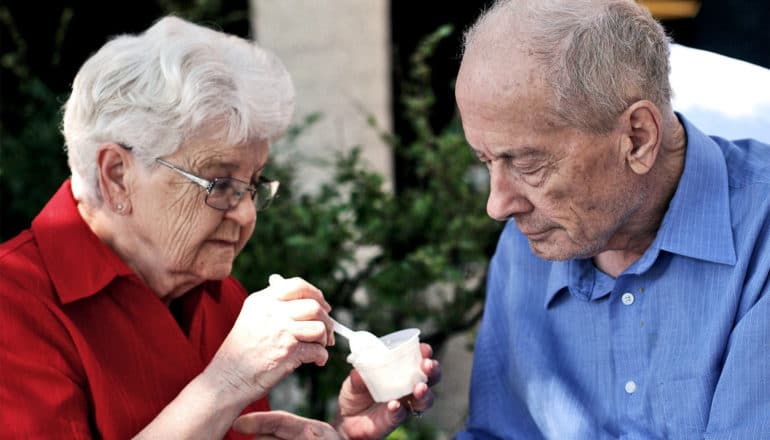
(312, 353)
(282, 425)
(306, 309)
(426, 350)
(267, 422)
(357, 384)
(309, 331)
(309, 309)
(296, 288)
(420, 390)
(397, 413)
(432, 369)
(422, 399)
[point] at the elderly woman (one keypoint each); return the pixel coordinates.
(118, 314)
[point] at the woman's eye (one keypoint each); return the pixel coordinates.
(224, 186)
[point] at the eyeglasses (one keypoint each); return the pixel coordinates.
(224, 193)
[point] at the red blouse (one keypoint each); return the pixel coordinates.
(86, 349)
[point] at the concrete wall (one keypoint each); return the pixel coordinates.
(338, 53)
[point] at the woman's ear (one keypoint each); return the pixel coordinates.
(112, 162)
(643, 135)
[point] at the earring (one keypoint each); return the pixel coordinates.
(119, 207)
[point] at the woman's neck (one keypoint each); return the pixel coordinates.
(110, 227)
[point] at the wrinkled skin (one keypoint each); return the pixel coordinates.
(574, 193)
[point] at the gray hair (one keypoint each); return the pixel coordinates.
(598, 57)
(156, 90)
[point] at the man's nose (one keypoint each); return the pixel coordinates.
(506, 197)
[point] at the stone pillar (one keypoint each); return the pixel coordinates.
(338, 53)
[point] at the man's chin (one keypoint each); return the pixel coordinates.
(551, 251)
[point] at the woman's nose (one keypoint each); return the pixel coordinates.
(244, 213)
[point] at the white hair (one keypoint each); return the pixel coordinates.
(597, 56)
(156, 90)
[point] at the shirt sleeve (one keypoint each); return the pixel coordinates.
(741, 402)
(42, 390)
(492, 412)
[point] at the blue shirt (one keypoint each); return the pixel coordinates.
(676, 347)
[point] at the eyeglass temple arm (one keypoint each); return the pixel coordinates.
(199, 180)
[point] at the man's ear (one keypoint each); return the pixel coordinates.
(642, 136)
(112, 162)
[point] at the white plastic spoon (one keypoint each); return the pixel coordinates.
(360, 341)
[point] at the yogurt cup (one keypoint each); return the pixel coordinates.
(392, 374)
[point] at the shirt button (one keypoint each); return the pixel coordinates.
(627, 298)
(630, 387)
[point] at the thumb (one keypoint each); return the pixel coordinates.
(283, 425)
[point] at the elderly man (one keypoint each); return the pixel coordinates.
(628, 296)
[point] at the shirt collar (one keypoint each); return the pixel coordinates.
(79, 263)
(697, 223)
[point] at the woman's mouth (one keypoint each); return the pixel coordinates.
(223, 243)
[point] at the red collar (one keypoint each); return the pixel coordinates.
(79, 263)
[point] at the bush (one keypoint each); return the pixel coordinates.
(385, 260)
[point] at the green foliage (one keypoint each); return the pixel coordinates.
(32, 160)
(416, 258)
(413, 429)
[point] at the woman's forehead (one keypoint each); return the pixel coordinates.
(228, 157)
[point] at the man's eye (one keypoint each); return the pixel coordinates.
(531, 172)
(521, 167)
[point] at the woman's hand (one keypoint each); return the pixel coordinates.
(360, 417)
(283, 426)
(278, 329)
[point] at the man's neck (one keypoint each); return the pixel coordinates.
(628, 247)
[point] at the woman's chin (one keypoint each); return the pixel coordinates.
(217, 271)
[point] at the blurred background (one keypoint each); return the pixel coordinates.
(382, 205)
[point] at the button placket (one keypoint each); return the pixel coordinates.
(628, 344)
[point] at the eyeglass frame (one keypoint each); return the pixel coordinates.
(208, 185)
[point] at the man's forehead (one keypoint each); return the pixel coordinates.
(500, 76)
(512, 149)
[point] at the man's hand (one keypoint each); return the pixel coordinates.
(360, 417)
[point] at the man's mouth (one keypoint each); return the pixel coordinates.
(538, 235)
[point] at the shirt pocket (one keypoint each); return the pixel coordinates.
(683, 405)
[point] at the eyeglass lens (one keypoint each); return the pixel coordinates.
(226, 193)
